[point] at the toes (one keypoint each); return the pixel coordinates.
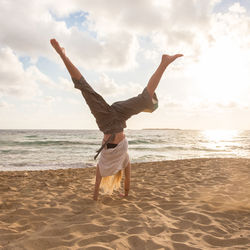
(53, 42)
(178, 55)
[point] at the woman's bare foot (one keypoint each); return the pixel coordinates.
(167, 59)
(56, 46)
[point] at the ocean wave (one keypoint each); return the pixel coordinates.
(175, 148)
(47, 143)
(20, 164)
(146, 141)
(207, 149)
(158, 148)
(31, 167)
(31, 136)
(13, 151)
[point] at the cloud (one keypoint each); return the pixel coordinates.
(118, 51)
(107, 87)
(50, 99)
(65, 84)
(31, 35)
(26, 33)
(20, 82)
(4, 104)
(34, 73)
(14, 79)
(198, 105)
(167, 102)
(110, 38)
(171, 25)
(237, 8)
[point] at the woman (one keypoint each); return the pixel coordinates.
(111, 120)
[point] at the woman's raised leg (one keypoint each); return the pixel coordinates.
(156, 77)
(98, 106)
(73, 71)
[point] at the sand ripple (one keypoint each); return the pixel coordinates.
(185, 204)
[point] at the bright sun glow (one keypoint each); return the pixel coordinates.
(222, 72)
(220, 139)
(220, 135)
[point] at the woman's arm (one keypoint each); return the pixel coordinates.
(97, 183)
(73, 71)
(127, 179)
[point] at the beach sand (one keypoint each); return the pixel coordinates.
(184, 204)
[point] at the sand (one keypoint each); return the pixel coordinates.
(184, 204)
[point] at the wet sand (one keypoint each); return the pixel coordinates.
(184, 204)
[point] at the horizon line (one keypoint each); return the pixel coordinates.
(124, 129)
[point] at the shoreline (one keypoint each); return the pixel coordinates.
(199, 203)
(88, 165)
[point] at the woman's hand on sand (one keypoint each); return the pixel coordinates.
(167, 59)
(60, 50)
(123, 195)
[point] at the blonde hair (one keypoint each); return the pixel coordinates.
(111, 183)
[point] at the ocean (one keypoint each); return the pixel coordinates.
(58, 149)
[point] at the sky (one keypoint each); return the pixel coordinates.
(117, 45)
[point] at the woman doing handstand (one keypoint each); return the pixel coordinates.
(111, 120)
